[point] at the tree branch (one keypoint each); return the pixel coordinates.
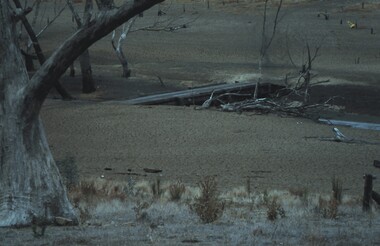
(38, 50)
(78, 20)
(19, 13)
(274, 26)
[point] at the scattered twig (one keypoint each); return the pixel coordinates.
(161, 81)
(165, 25)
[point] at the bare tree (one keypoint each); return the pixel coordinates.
(30, 183)
(266, 40)
(88, 84)
(303, 83)
(167, 24)
(119, 47)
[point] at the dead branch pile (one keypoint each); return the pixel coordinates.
(281, 102)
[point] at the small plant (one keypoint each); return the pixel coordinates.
(207, 206)
(275, 209)
(176, 190)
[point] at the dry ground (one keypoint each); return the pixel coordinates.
(221, 45)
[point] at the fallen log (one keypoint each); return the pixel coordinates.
(197, 94)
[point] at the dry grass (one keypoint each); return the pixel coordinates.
(97, 189)
(112, 217)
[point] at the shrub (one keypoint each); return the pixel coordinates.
(207, 206)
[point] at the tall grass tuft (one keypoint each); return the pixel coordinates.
(176, 190)
(208, 206)
(274, 209)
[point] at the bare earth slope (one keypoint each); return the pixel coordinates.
(188, 144)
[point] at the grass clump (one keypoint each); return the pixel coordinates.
(176, 190)
(208, 206)
(329, 208)
(274, 209)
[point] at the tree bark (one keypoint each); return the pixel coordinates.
(30, 183)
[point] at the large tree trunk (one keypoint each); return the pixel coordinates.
(30, 184)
